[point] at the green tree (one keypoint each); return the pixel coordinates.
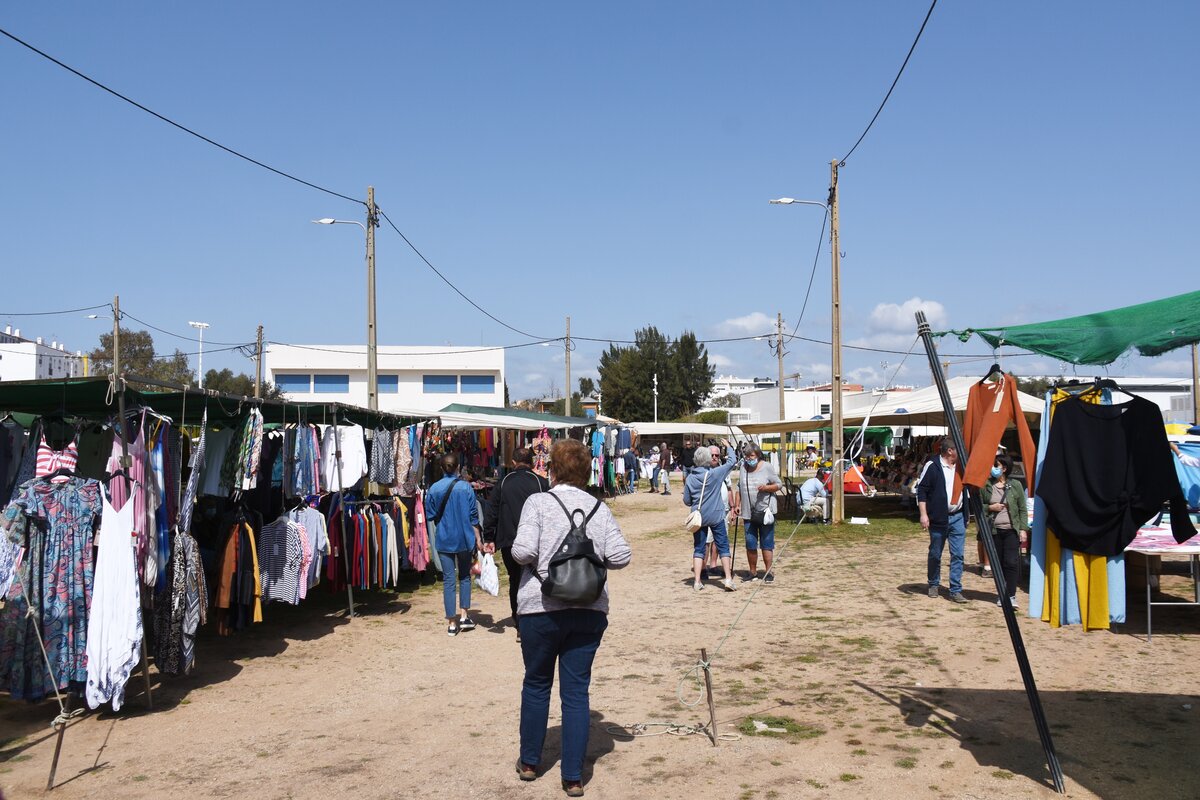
(226, 381)
(731, 400)
(138, 359)
(587, 387)
(1035, 386)
(627, 376)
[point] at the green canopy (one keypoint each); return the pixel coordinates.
(89, 398)
(1151, 328)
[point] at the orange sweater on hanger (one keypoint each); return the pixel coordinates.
(990, 407)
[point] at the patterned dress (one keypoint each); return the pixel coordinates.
(56, 522)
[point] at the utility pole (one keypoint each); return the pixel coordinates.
(839, 489)
(372, 343)
(117, 386)
(567, 406)
(784, 438)
(1195, 387)
(656, 397)
(258, 366)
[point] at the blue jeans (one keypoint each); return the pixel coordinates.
(631, 481)
(760, 535)
(955, 533)
(720, 536)
(456, 568)
(654, 478)
(570, 637)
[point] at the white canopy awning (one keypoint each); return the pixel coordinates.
(681, 428)
(922, 407)
(474, 422)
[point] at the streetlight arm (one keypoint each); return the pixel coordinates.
(789, 201)
(331, 221)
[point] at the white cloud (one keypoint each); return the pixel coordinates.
(752, 324)
(890, 318)
(719, 361)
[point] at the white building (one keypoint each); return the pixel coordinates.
(729, 384)
(34, 360)
(410, 378)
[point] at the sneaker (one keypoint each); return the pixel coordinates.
(957, 597)
(933, 591)
(729, 585)
(697, 586)
(769, 577)
(986, 571)
(466, 624)
(1013, 601)
(573, 788)
(526, 772)
(748, 578)
(452, 629)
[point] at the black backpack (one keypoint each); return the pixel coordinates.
(576, 574)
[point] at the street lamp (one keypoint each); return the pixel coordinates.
(372, 344)
(200, 326)
(831, 208)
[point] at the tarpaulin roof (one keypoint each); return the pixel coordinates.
(922, 407)
(537, 416)
(90, 398)
(678, 428)
(1150, 328)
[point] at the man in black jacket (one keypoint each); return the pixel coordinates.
(503, 514)
(940, 500)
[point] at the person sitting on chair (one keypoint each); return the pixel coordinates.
(814, 498)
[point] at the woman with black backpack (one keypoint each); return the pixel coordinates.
(568, 540)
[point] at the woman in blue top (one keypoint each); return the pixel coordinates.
(702, 486)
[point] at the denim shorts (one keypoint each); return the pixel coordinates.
(760, 537)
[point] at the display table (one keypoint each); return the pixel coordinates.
(1157, 541)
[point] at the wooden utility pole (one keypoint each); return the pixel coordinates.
(783, 437)
(1195, 387)
(372, 342)
(567, 406)
(258, 366)
(839, 498)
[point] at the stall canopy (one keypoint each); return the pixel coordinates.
(458, 415)
(92, 398)
(534, 416)
(922, 407)
(682, 428)
(1150, 328)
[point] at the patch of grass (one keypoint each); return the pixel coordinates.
(849, 777)
(859, 642)
(946, 765)
(656, 759)
(808, 658)
(814, 784)
(908, 762)
(776, 763)
(140, 778)
(858, 752)
(1003, 775)
(793, 730)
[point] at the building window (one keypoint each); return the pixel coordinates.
(295, 384)
(331, 384)
(824, 408)
(388, 384)
(478, 384)
(440, 384)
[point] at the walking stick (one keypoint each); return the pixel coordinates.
(733, 550)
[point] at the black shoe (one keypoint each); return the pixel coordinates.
(452, 629)
(466, 624)
(573, 788)
(526, 772)
(769, 577)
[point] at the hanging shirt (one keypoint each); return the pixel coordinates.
(115, 617)
(353, 461)
(50, 460)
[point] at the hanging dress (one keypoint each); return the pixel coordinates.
(115, 620)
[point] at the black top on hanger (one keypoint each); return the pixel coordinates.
(992, 370)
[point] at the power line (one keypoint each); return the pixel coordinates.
(813, 274)
(893, 86)
(431, 353)
(172, 333)
(51, 313)
(183, 128)
(452, 286)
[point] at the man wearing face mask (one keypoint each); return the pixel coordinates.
(940, 501)
(756, 495)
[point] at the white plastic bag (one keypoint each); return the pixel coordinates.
(489, 576)
(768, 517)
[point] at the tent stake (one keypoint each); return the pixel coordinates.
(985, 535)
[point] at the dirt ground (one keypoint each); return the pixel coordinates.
(882, 692)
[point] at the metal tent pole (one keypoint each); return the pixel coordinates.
(985, 534)
(337, 460)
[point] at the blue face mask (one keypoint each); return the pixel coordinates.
(997, 472)
(751, 462)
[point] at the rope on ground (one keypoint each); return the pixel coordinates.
(644, 729)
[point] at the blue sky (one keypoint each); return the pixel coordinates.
(608, 161)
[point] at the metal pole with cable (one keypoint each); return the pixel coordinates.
(985, 535)
(835, 405)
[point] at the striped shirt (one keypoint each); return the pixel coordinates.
(50, 460)
(280, 557)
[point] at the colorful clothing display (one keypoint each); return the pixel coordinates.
(115, 617)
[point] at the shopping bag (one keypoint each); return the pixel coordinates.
(489, 576)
